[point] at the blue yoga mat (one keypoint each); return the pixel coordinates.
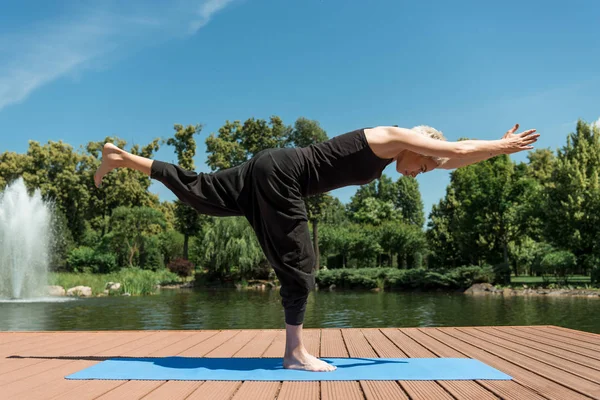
(271, 369)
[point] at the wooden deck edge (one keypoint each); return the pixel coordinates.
(573, 330)
(280, 329)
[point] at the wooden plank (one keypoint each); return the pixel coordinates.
(233, 345)
(164, 339)
(250, 390)
(131, 390)
(419, 389)
(530, 344)
(383, 390)
(383, 347)
(91, 390)
(425, 390)
(593, 336)
(467, 390)
(173, 390)
(114, 345)
(335, 390)
(546, 362)
(206, 346)
(550, 370)
(590, 357)
(408, 345)
(299, 391)
(181, 346)
(545, 387)
(277, 348)
(215, 390)
(510, 390)
(258, 345)
(135, 387)
(53, 371)
(359, 346)
(332, 345)
(568, 337)
(312, 341)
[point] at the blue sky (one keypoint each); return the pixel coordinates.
(79, 71)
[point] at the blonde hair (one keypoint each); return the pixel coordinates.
(434, 134)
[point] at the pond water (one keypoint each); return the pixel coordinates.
(231, 309)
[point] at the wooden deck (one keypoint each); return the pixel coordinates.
(546, 362)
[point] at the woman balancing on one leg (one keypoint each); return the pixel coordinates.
(268, 190)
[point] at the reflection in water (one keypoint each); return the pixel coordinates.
(230, 309)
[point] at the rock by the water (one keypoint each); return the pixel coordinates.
(81, 291)
(480, 288)
(126, 294)
(56, 290)
(332, 288)
(113, 286)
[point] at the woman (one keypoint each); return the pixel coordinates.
(269, 189)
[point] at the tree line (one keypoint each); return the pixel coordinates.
(535, 217)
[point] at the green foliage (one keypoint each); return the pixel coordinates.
(227, 245)
(171, 245)
(411, 279)
(86, 259)
(573, 194)
(383, 200)
(130, 228)
(560, 264)
(61, 241)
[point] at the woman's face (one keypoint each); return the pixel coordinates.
(411, 164)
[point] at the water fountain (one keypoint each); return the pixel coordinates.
(24, 243)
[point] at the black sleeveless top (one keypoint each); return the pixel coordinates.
(341, 161)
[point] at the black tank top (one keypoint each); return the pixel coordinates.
(341, 161)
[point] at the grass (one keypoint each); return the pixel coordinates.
(134, 281)
(528, 280)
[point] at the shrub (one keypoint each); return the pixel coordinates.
(466, 276)
(417, 278)
(86, 259)
(181, 267)
(561, 263)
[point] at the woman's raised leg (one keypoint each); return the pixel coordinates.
(114, 157)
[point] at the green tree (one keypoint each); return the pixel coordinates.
(230, 244)
(384, 199)
(573, 195)
(408, 201)
(130, 229)
(481, 213)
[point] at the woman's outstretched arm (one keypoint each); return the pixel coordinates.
(389, 141)
(454, 163)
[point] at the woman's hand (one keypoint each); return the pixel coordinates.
(519, 141)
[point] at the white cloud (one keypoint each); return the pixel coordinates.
(596, 123)
(48, 51)
(206, 11)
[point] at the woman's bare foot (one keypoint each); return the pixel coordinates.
(112, 157)
(303, 360)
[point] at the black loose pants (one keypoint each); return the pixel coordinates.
(266, 190)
